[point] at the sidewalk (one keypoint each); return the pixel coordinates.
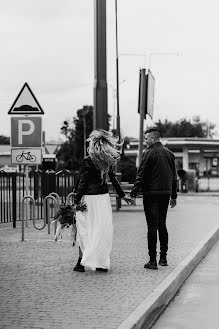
(196, 304)
(40, 290)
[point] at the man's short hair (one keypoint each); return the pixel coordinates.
(155, 132)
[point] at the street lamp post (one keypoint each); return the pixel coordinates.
(114, 91)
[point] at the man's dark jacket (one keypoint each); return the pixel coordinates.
(157, 173)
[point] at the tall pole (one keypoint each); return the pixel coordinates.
(100, 115)
(114, 107)
(142, 114)
(117, 78)
(85, 135)
(118, 166)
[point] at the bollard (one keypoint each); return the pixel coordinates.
(26, 197)
(45, 207)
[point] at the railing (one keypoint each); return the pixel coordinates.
(40, 184)
(13, 190)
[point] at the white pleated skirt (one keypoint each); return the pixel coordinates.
(95, 231)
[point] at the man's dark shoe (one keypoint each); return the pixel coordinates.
(163, 262)
(151, 265)
(79, 267)
(100, 269)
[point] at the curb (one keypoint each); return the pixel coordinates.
(149, 310)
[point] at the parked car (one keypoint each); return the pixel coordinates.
(9, 169)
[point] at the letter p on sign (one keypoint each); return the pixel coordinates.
(26, 132)
(22, 131)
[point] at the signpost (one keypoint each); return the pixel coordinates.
(26, 131)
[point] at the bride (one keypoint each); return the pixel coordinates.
(94, 227)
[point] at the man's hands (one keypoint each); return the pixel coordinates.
(129, 200)
(172, 203)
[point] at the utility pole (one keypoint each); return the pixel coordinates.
(100, 115)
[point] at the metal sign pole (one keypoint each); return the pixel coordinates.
(142, 114)
(26, 139)
(26, 193)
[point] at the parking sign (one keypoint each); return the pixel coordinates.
(26, 131)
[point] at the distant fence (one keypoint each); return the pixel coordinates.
(208, 184)
(39, 184)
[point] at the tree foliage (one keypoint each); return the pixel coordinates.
(186, 128)
(128, 169)
(4, 140)
(71, 152)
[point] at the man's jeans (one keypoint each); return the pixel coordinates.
(155, 208)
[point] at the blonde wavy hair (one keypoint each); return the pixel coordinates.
(103, 151)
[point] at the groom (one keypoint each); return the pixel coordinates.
(157, 179)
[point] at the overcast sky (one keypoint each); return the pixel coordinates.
(50, 45)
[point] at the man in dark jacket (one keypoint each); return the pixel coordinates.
(157, 179)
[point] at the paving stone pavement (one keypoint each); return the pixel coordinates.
(39, 288)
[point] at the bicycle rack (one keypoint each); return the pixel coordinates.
(69, 195)
(56, 196)
(24, 198)
(45, 208)
(59, 201)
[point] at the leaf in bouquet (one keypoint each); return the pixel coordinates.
(57, 214)
(81, 207)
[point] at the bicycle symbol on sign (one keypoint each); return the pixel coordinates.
(26, 156)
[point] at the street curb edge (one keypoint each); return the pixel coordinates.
(149, 310)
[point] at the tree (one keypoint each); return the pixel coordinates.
(128, 165)
(128, 169)
(71, 152)
(186, 128)
(4, 140)
(84, 120)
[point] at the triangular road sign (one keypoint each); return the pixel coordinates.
(26, 103)
(51, 149)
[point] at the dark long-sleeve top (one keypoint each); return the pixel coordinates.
(90, 182)
(157, 172)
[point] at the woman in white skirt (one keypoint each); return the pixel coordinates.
(94, 226)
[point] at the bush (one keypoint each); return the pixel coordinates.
(128, 169)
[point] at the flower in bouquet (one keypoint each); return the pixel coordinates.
(66, 215)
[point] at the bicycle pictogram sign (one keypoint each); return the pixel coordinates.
(26, 156)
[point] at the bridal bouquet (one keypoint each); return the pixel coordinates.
(65, 215)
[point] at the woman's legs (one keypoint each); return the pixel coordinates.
(80, 253)
(79, 267)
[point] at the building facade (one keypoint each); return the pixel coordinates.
(199, 154)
